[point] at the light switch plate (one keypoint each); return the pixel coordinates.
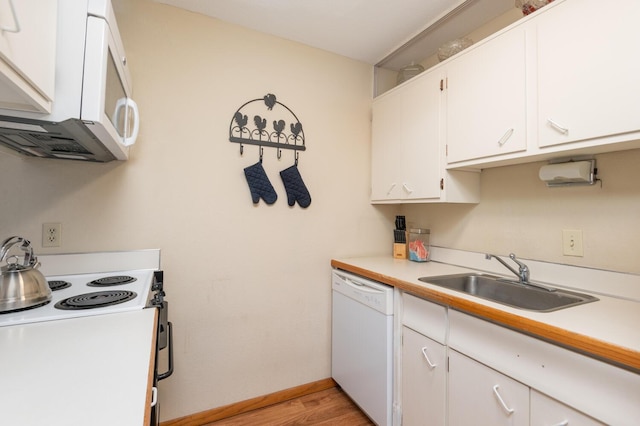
(572, 242)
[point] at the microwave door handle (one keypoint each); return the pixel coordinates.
(130, 140)
(121, 105)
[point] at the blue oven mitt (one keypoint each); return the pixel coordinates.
(259, 184)
(295, 187)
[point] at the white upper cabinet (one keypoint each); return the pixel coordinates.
(588, 71)
(27, 54)
(405, 142)
(486, 94)
(408, 159)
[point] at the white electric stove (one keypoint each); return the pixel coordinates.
(87, 284)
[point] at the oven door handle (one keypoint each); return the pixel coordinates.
(169, 372)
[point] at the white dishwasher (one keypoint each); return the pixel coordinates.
(362, 343)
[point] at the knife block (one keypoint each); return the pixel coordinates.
(399, 250)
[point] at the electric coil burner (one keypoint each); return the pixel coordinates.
(96, 300)
(56, 285)
(112, 280)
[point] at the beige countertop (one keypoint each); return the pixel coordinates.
(606, 329)
(93, 370)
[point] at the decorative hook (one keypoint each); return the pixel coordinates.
(261, 152)
(279, 153)
(241, 149)
(297, 155)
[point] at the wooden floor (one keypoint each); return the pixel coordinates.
(327, 407)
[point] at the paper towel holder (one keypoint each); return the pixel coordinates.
(569, 173)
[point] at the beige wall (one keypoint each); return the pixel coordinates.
(518, 213)
(248, 286)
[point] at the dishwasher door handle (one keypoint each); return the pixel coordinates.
(361, 286)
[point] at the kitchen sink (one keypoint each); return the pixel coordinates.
(532, 297)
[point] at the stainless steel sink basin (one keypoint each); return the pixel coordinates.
(511, 293)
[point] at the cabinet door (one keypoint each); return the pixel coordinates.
(406, 141)
(423, 380)
(587, 71)
(386, 156)
(486, 114)
(546, 411)
(479, 395)
(421, 123)
(27, 54)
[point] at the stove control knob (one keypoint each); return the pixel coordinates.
(158, 279)
(158, 298)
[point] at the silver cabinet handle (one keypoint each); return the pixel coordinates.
(431, 365)
(406, 188)
(563, 423)
(506, 408)
(505, 137)
(393, 185)
(16, 28)
(558, 127)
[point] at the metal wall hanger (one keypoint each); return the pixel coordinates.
(267, 110)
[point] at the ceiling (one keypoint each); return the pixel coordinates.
(379, 32)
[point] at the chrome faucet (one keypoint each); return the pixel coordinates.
(522, 273)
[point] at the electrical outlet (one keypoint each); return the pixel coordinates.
(51, 234)
(572, 242)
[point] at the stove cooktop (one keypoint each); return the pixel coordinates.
(130, 289)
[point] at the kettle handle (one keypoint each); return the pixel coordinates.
(29, 258)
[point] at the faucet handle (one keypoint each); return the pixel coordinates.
(524, 269)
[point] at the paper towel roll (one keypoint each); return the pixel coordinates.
(572, 172)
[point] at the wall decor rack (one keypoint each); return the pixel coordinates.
(267, 110)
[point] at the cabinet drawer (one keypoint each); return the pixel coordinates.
(479, 395)
(425, 317)
(548, 411)
(601, 390)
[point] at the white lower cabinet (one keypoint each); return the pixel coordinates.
(457, 370)
(546, 411)
(479, 395)
(424, 387)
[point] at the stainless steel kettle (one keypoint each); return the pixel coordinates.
(21, 285)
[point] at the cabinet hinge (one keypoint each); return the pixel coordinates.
(442, 184)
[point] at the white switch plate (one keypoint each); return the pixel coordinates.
(51, 234)
(572, 242)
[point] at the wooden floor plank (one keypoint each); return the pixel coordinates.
(328, 407)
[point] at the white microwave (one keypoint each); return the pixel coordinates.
(93, 117)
